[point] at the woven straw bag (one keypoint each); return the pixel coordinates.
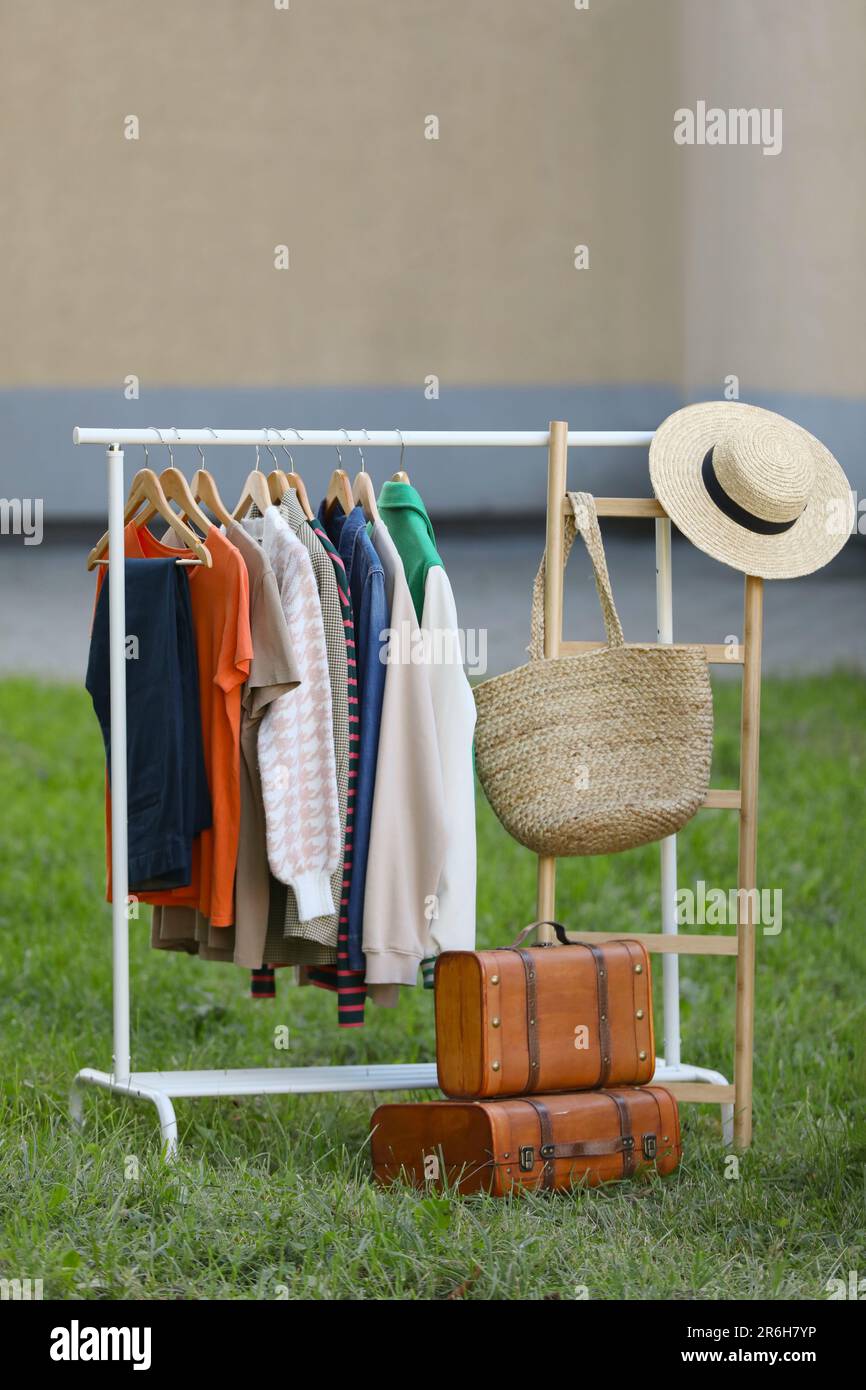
(599, 752)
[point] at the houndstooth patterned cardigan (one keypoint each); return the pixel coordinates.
(290, 941)
(295, 747)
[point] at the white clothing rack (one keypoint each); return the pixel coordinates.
(163, 1087)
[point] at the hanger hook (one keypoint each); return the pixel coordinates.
(402, 444)
(339, 455)
(361, 451)
(167, 445)
(146, 456)
(272, 429)
(357, 446)
(268, 430)
(286, 449)
(201, 450)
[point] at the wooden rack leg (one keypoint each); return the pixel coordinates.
(557, 481)
(546, 910)
(750, 729)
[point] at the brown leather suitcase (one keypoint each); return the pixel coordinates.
(499, 1146)
(517, 1021)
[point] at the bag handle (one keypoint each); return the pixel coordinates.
(561, 936)
(584, 519)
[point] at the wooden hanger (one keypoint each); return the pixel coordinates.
(255, 490)
(177, 489)
(277, 480)
(205, 490)
(278, 483)
(364, 495)
(290, 481)
(339, 490)
(296, 481)
(146, 487)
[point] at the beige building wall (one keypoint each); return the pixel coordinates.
(306, 127)
(774, 271)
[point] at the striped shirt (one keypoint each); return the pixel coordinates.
(348, 984)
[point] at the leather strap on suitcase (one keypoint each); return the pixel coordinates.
(532, 1001)
(531, 1017)
(549, 1150)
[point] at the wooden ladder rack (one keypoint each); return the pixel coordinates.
(744, 799)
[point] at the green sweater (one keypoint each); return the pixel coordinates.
(404, 514)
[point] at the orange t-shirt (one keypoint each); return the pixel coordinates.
(219, 598)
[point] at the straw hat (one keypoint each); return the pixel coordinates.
(751, 488)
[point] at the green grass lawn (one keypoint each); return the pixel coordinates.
(271, 1197)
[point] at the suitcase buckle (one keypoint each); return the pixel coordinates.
(527, 1158)
(650, 1146)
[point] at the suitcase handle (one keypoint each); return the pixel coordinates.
(561, 934)
(585, 1148)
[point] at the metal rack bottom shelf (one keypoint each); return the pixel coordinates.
(161, 1088)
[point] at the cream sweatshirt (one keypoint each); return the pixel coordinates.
(420, 891)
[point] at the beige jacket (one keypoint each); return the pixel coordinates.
(408, 832)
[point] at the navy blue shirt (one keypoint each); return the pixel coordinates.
(168, 801)
(372, 619)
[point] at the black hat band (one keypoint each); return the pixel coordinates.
(733, 509)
